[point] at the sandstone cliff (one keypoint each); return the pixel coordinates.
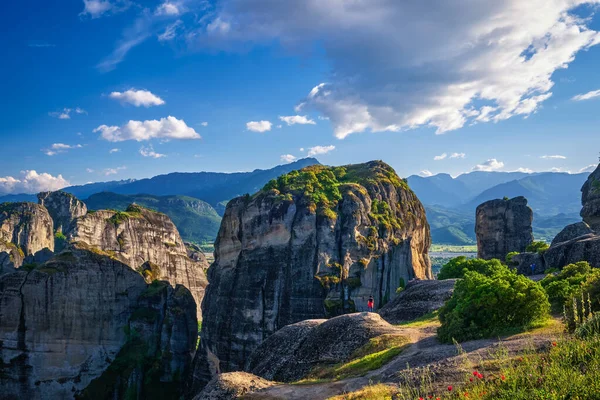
(590, 198)
(26, 225)
(312, 244)
(503, 226)
(145, 240)
(84, 318)
(63, 207)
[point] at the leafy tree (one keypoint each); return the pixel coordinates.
(484, 306)
(458, 266)
(60, 242)
(537, 247)
(568, 283)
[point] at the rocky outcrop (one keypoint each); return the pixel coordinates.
(529, 263)
(10, 257)
(138, 236)
(503, 226)
(83, 317)
(571, 232)
(232, 385)
(418, 299)
(26, 225)
(583, 248)
(63, 207)
(292, 352)
(312, 244)
(590, 198)
(195, 253)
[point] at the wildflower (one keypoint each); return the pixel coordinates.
(475, 373)
(480, 376)
(466, 394)
(450, 388)
(502, 377)
(471, 379)
(554, 344)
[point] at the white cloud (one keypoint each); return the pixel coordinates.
(149, 152)
(138, 98)
(587, 96)
(297, 119)
(589, 168)
(259, 126)
(168, 8)
(525, 170)
(32, 182)
(205, 124)
(440, 157)
(99, 8)
(170, 31)
(425, 173)
(165, 128)
(560, 169)
(457, 155)
(554, 157)
(288, 158)
(218, 27)
(89, 170)
(113, 171)
(397, 65)
(302, 149)
(58, 148)
(66, 113)
(314, 151)
(489, 165)
(115, 150)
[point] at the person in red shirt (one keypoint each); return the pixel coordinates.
(370, 304)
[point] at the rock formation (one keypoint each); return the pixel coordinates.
(11, 257)
(313, 243)
(590, 198)
(232, 385)
(195, 253)
(503, 226)
(145, 240)
(417, 299)
(65, 323)
(26, 225)
(523, 263)
(292, 352)
(63, 207)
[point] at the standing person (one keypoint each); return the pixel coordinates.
(370, 304)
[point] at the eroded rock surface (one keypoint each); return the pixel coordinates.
(63, 207)
(232, 385)
(312, 244)
(503, 226)
(571, 232)
(293, 351)
(523, 263)
(10, 257)
(140, 235)
(418, 299)
(84, 318)
(590, 198)
(26, 225)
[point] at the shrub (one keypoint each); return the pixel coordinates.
(509, 257)
(567, 283)
(458, 266)
(537, 247)
(484, 306)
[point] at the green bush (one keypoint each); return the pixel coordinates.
(458, 266)
(509, 257)
(60, 242)
(537, 247)
(567, 283)
(484, 306)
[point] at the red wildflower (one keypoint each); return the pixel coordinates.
(554, 344)
(466, 394)
(471, 379)
(502, 377)
(449, 388)
(480, 376)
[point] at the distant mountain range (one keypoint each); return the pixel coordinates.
(451, 202)
(195, 201)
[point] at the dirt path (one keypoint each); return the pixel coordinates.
(447, 364)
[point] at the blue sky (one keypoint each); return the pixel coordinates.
(402, 83)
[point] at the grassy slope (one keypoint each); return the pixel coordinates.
(195, 219)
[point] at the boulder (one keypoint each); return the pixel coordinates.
(590, 198)
(503, 226)
(584, 248)
(26, 225)
(63, 207)
(292, 352)
(140, 235)
(195, 253)
(571, 232)
(418, 299)
(232, 385)
(313, 244)
(85, 325)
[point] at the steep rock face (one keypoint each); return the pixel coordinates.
(10, 257)
(503, 226)
(312, 244)
(84, 324)
(590, 198)
(140, 235)
(61, 323)
(26, 225)
(293, 351)
(417, 299)
(63, 207)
